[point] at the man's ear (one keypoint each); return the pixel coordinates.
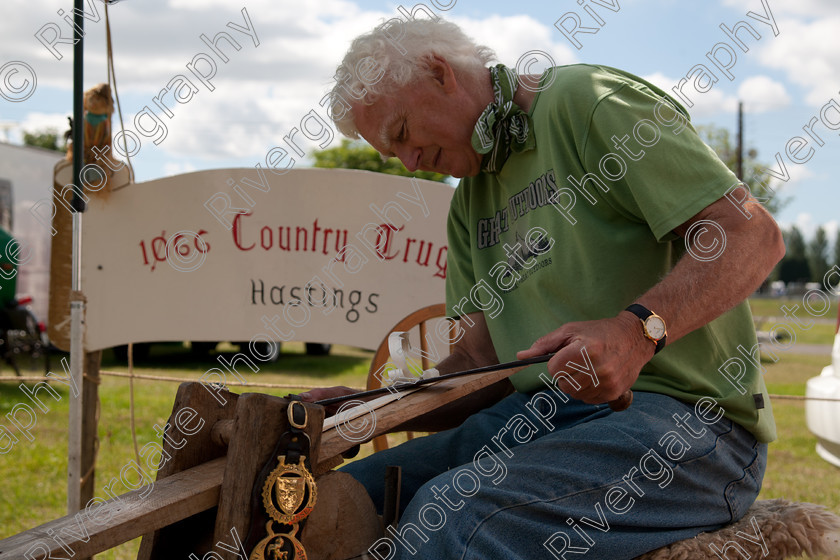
(442, 73)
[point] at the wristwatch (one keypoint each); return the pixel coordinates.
(652, 324)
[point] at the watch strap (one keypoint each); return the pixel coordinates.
(639, 311)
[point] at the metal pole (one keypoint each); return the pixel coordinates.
(740, 148)
(77, 309)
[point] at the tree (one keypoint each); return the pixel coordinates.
(755, 176)
(836, 249)
(361, 155)
(818, 255)
(46, 138)
(794, 266)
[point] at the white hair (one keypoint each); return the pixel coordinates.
(391, 56)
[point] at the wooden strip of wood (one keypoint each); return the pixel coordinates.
(411, 406)
(222, 430)
(131, 515)
(355, 412)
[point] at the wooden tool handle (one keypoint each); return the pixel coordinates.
(623, 402)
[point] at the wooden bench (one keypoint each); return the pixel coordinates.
(203, 494)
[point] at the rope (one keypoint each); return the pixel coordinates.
(284, 386)
(232, 383)
(90, 472)
(131, 404)
(112, 76)
(802, 398)
(180, 380)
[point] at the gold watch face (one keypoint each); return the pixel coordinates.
(655, 327)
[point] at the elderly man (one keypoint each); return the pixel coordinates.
(580, 202)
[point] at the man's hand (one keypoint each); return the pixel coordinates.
(595, 361)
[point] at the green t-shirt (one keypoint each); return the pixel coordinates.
(533, 251)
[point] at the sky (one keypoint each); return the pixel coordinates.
(788, 76)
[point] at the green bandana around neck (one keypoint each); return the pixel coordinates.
(503, 126)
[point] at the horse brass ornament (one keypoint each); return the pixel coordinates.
(288, 494)
(285, 490)
(271, 547)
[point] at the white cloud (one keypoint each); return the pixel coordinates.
(799, 173)
(762, 94)
(153, 40)
(259, 95)
(57, 121)
(807, 45)
(512, 36)
(177, 168)
(807, 53)
(799, 178)
(36, 122)
(706, 104)
(808, 226)
(805, 223)
(831, 227)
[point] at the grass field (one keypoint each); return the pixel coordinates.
(772, 307)
(799, 324)
(35, 471)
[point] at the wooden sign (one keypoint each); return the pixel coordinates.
(316, 255)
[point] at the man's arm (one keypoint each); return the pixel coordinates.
(694, 293)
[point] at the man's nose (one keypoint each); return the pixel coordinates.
(410, 157)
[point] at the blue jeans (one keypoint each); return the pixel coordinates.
(537, 477)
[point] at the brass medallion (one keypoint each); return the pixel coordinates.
(289, 492)
(278, 546)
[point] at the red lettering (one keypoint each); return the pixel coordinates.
(420, 253)
(143, 247)
(237, 234)
(408, 243)
(383, 247)
(288, 245)
(266, 244)
(441, 256)
(339, 245)
(327, 232)
(315, 229)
